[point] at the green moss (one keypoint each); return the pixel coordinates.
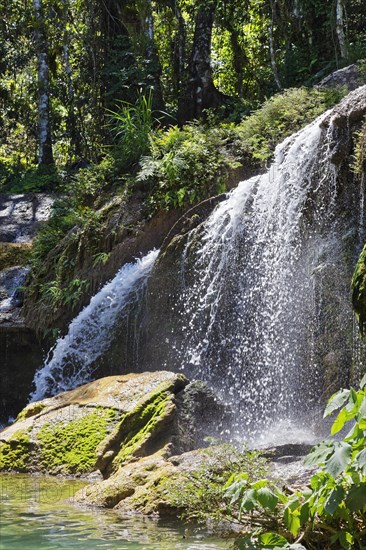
(31, 410)
(69, 447)
(138, 425)
(359, 290)
(15, 454)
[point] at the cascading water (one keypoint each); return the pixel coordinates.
(252, 306)
(259, 276)
(255, 300)
(71, 361)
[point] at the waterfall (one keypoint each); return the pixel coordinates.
(70, 363)
(257, 277)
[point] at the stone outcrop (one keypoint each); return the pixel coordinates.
(101, 426)
(349, 77)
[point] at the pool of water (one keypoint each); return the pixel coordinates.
(35, 516)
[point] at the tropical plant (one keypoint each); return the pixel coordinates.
(331, 512)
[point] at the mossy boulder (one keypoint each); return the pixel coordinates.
(106, 424)
(359, 290)
(189, 483)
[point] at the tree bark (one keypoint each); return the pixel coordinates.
(152, 56)
(200, 91)
(45, 155)
(272, 50)
(340, 26)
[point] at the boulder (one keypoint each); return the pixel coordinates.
(349, 76)
(101, 426)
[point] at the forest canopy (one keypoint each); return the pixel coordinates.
(67, 65)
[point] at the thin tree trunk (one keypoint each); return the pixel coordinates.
(340, 26)
(181, 47)
(152, 56)
(272, 50)
(45, 155)
(75, 138)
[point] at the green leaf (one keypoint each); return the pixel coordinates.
(336, 401)
(363, 381)
(362, 409)
(259, 484)
(319, 454)
(356, 498)
(346, 540)
(304, 513)
(339, 422)
(291, 518)
(273, 540)
(267, 499)
(333, 501)
(360, 458)
(339, 460)
(249, 500)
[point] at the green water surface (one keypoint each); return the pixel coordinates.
(35, 516)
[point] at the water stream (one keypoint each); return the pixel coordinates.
(71, 361)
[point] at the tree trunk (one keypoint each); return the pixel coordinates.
(45, 155)
(200, 91)
(272, 50)
(340, 26)
(152, 57)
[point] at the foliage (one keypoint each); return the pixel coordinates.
(332, 511)
(185, 165)
(199, 492)
(57, 295)
(132, 126)
(281, 116)
(102, 54)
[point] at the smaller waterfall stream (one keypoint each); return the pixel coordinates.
(70, 362)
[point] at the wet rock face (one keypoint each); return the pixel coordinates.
(21, 215)
(106, 424)
(20, 356)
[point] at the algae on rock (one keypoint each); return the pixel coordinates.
(103, 425)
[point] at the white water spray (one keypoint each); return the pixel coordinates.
(251, 313)
(70, 362)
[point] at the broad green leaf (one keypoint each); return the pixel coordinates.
(304, 513)
(356, 498)
(339, 422)
(267, 499)
(273, 540)
(360, 458)
(336, 401)
(291, 518)
(319, 454)
(333, 501)
(339, 460)
(249, 500)
(363, 381)
(259, 484)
